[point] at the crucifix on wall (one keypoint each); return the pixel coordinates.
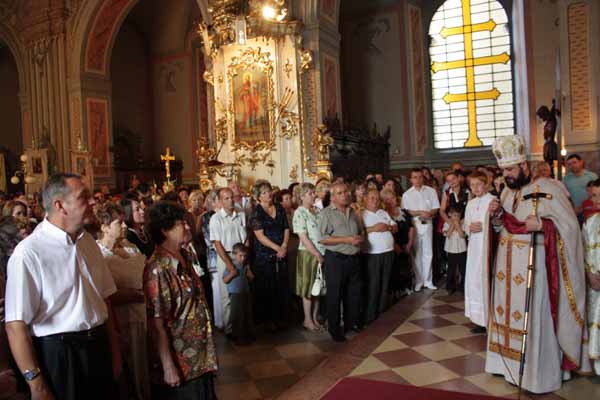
(167, 158)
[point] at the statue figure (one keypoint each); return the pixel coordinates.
(321, 142)
(550, 125)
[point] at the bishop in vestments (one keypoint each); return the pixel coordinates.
(556, 328)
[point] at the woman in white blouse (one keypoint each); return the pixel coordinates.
(126, 264)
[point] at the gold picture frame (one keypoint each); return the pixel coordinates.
(251, 93)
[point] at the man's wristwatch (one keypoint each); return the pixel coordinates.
(31, 374)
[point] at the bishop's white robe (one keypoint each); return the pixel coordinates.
(591, 241)
(545, 345)
(477, 280)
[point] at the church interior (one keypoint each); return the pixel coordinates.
(197, 94)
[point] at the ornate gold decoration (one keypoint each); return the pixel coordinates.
(287, 120)
(517, 316)
(500, 275)
(168, 185)
(500, 310)
(567, 281)
(288, 68)
(519, 279)
(208, 78)
(322, 140)
(306, 60)
(294, 173)
(253, 153)
(205, 154)
(505, 351)
(221, 124)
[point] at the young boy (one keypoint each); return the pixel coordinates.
(456, 248)
(477, 227)
(239, 294)
(591, 241)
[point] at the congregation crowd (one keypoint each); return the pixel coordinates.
(122, 292)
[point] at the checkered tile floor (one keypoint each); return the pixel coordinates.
(435, 348)
(424, 340)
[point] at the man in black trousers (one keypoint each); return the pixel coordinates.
(341, 234)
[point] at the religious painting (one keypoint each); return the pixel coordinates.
(98, 141)
(82, 165)
(251, 91)
(328, 9)
(36, 165)
(330, 86)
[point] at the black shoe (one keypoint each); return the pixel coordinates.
(479, 330)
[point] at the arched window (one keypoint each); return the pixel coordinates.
(471, 74)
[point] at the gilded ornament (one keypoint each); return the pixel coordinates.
(208, 78)
(517, 316)
(322, 140)
(306, 60)
(294, 173)
(288, 68)
(519, 279)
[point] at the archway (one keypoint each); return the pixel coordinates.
(10, 119)
(141, 90)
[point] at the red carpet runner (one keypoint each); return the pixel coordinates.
(354, 388)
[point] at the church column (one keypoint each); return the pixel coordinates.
(44, 36)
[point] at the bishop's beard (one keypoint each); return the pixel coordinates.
(518, 182)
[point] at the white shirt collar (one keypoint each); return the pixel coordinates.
(223, 213)
(55, 232)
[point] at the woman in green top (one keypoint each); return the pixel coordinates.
(310, 254)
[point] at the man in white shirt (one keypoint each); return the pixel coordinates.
(227, 228)
(59, 320)
(422, 204)
(380, 254)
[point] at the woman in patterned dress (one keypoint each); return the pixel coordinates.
(310, 253)
(178, 315)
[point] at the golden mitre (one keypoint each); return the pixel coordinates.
(509, 150)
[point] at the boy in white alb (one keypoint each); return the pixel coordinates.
(422, 204)
(477, 226)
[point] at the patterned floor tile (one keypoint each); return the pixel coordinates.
(426, 373)
(495, 386)
(304, 364)
(384, 376)
(271, 387)
(399, 358)
(407, 327)
(297, 350)
(446, 298)
(390, 344)
(268, 369)
(452, 332)
(420, 314)
(444, 309)
(459, 385)
(466, 365)
(474, 344)
(369, 365)
(418, 338)
(441, 351)
(233, 375)
(581, 388)
(459, 304)
(432, 322)
(457, 318)
(238, 391)
(433, 302)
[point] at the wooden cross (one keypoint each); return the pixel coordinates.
(167, 158)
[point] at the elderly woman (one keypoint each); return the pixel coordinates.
(126, 265)
(196, 201)
(271, 283)
(310, 253)
(134, 218)
(9, 238)
(178, 315)
(400, 279)
(211, 205)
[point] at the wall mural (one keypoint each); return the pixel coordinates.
(98, 140)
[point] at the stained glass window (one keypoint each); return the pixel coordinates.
(471, 74)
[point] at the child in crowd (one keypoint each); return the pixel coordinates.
(239, 294)
(588, 206)
(477, 227)
(591, 242)
(456, 248)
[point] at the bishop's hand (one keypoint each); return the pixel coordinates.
(533, 224)
(494, 206)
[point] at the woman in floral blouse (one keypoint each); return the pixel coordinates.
(178, 315)
(310, 254)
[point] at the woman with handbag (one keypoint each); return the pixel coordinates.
(309, 279)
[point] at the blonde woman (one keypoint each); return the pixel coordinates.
(126, 264)
(310, 253)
